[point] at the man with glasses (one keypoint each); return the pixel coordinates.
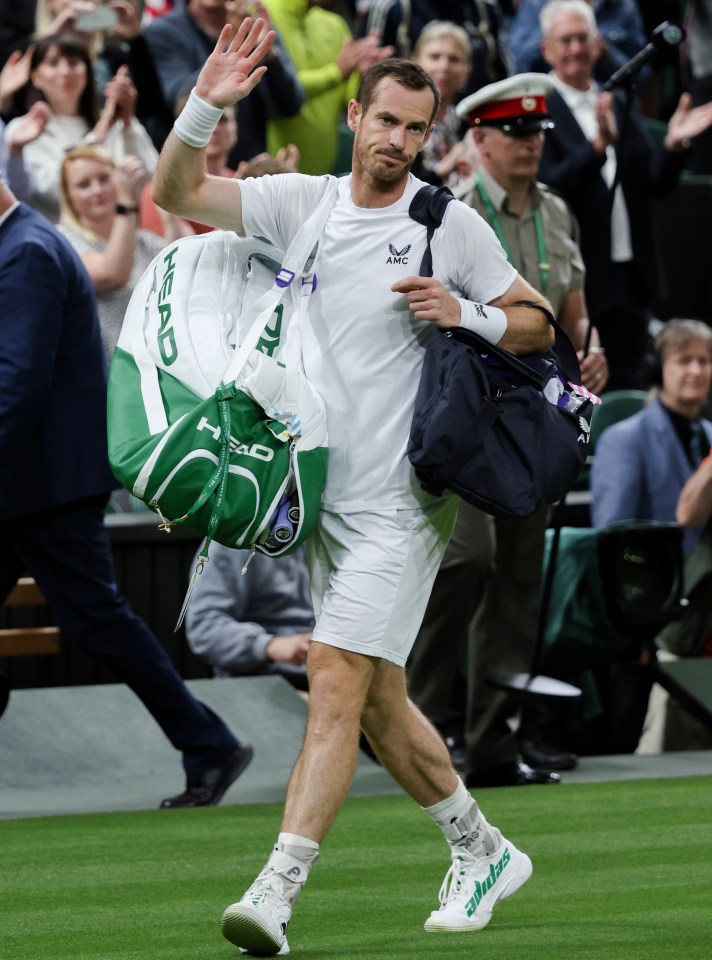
(580, 159)
(620, 25)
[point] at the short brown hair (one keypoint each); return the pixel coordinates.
(408, 74)
(678, 334)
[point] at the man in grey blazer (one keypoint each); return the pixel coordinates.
(639, 470)
(642, 463)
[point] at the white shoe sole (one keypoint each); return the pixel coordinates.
(450, 921)
(243, 926)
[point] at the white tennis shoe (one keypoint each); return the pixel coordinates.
(473, 886)
(257, 923)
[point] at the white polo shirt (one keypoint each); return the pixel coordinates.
(363, 350)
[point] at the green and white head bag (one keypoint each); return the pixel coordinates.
(212, 421)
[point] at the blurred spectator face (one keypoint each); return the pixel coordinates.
(506, 156)
(447, 63)
(90, 189)
(207, 7)
(390, 133)
(224, 137)
(572, 50)
(687, 376)
(62, 79)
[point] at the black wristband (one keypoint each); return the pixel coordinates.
(123, 210)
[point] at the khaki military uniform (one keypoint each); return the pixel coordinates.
(485, 599)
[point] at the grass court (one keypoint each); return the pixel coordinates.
(622, 871)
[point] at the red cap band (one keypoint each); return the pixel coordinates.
(526, 107)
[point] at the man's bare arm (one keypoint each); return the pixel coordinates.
(528, 329)
(181, 184)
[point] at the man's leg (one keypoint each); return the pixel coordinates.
(502, 640)
(405, 742)
(67, 551)
(348, 690)
(338, 684)
(485, 868)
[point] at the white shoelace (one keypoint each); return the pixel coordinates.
(451, 886)
(263, 893)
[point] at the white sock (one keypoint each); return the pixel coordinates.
(463, 824)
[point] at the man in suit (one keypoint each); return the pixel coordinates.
(581, 156)
(643, 463)
(620, 23)
(55, 481)
(641, 466)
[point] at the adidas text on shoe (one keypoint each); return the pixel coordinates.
(472, 888)
(257, 923)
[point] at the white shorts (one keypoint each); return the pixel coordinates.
(371, 576)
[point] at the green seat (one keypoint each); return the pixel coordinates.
(615, 405)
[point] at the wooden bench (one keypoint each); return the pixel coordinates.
(27, 641)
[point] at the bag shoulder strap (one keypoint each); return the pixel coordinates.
(428, 207)
(293, 266)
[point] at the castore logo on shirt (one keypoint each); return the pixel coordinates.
(398, 256)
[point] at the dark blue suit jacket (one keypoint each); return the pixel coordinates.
(570, 165)
(52, 373)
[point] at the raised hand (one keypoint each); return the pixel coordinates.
(121, 91)
(68, 14)
(130, 176)
(289, 155)
(607, 126)
(687, 122)
(128, 25)
(14, 75)
(29, 127)
(361, 54)
(232, 70)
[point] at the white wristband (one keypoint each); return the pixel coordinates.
(489, 322)
(196, 121)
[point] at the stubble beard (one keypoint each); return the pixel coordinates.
(382, 172)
